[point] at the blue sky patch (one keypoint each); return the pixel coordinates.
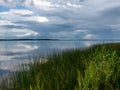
(68, 19)
(3, 8)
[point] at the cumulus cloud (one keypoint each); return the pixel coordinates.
(13, 24)
(6, 22)
(92, 15)
(22, 15)
(90, 36)
(14, 33)
(69, 34)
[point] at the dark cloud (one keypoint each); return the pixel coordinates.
(112, 12)
(66, 19)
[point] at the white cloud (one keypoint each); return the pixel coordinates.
(81, 31)
(88, 36)
(69, 34)
(74, 5)
(43, 4)
(19, 15)
(6, 22)
(16, 32)
(40, 4)
(91, 15)
(21, 12)
(22, 32)
(114, 27)
(6, 3)
(36, 19)
(91, 36)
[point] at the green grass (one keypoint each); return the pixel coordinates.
(94, 68)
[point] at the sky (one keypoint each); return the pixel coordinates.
(60, 19)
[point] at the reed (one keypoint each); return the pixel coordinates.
(93, 68)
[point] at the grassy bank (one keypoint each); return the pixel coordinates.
(94, 68)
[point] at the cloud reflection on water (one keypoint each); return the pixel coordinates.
(14, 53)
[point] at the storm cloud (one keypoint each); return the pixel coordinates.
(76, 19)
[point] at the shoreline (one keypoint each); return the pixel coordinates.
(71, 69)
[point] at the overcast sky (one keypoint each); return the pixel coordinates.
(63, 19)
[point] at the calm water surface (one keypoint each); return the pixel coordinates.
(13, 53)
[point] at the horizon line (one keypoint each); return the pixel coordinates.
(49, 39)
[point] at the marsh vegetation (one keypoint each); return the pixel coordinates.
(93, 68)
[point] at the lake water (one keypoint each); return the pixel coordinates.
(14, 53)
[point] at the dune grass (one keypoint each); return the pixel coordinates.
(93, 68)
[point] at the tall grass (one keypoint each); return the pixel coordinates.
(94, 68)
